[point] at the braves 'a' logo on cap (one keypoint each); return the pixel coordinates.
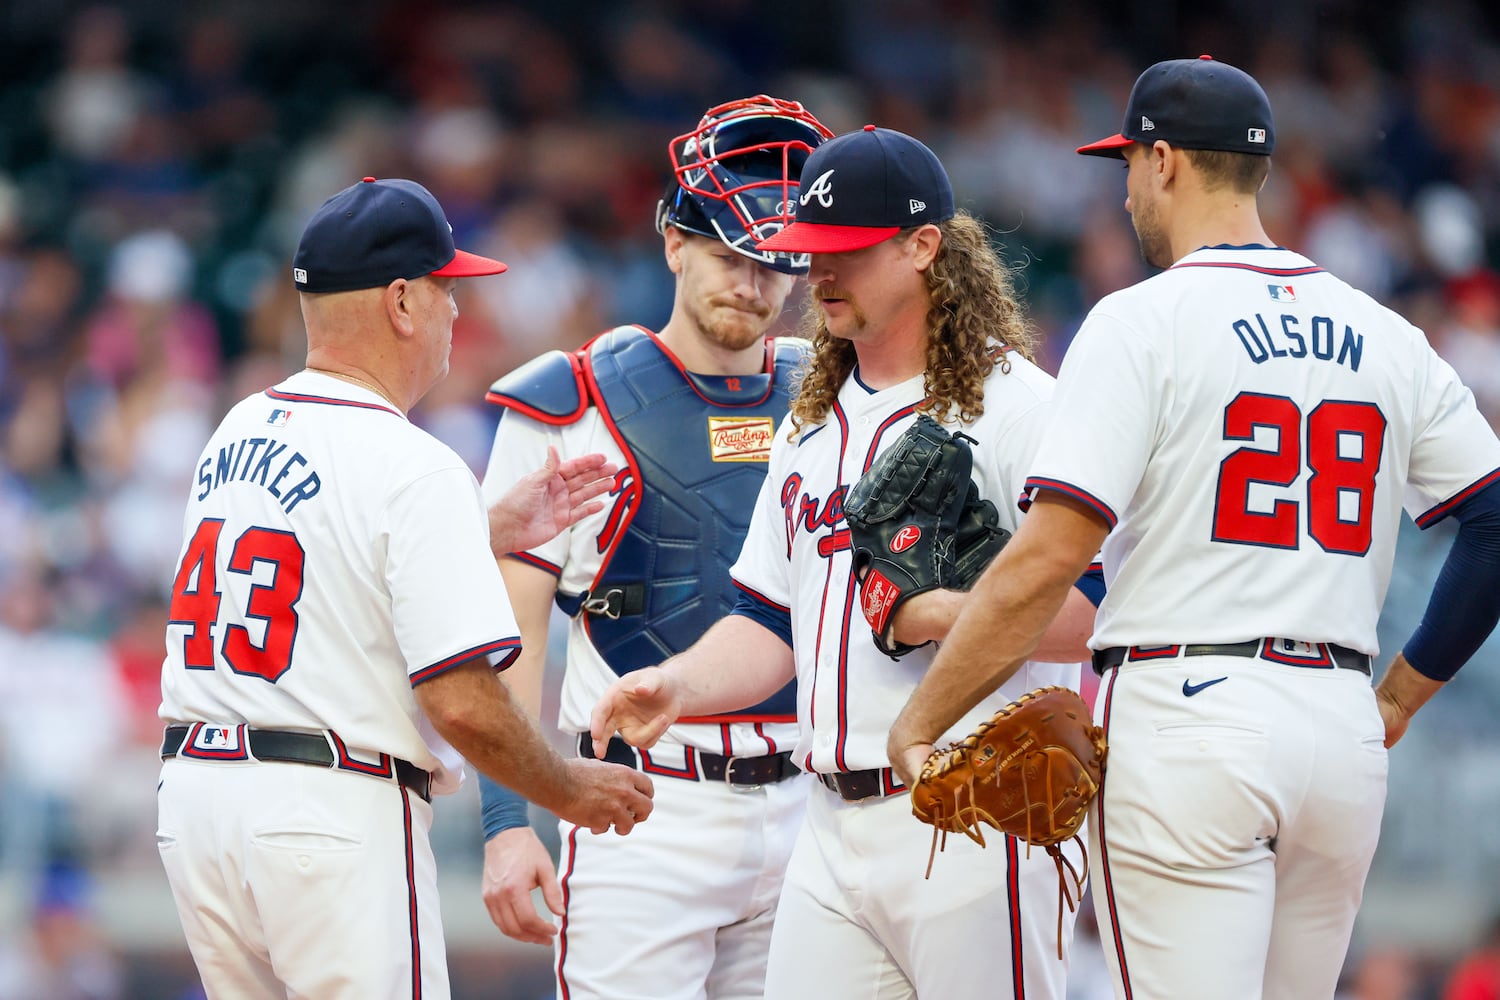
(905, 538)
(822, 188)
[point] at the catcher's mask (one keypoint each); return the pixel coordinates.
(735, 176)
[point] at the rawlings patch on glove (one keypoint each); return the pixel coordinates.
(917, 522)
(1030, 771)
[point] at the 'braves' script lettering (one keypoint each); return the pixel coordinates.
(804, 513)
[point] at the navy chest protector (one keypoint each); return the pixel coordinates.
(695, 448)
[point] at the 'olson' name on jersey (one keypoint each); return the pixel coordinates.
(1289, 341)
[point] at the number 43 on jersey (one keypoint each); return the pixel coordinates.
(196, 600)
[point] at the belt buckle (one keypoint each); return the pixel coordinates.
(729, 771)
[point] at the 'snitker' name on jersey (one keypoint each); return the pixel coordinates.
(244, 461)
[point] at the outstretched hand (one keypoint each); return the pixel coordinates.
(639, 706)
(544, 502)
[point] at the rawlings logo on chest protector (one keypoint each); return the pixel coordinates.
(740, 439)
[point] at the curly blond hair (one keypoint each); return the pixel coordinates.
(973, 322)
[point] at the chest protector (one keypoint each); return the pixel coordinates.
(696, 448)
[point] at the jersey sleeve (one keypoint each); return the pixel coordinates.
(1103, 419)
(1454, 451)
(520, 447)
(1003, 468)
(763, 570)
(448, 600)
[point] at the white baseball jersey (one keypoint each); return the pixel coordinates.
(1250, 426)
(335, 555)
(683, 907)
(1246, 406)
(853, 887)
(576, 555)
(797, 556)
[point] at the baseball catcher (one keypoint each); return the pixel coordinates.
(1029, 771)
(917, 522)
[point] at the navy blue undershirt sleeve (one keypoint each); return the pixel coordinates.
(1091, 585)
(1465, 602)
(500, 809)
(775, 619)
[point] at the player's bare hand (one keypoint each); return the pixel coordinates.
(544, 502)
(1395, 716)
(1400, 693)
(639, 706)
(606, 795)
(926, 617)
(515, 863)
(907, 761)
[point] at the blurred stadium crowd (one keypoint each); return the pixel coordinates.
(157, 162)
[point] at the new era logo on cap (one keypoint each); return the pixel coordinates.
(886, 181)
(1147, 124)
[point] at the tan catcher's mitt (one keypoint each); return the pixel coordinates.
(1029, 771)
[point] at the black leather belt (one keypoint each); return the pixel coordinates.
(742, 772)
(855, 785)
(1330, 654)
(300, 748)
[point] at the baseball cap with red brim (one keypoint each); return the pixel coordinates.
(1194, 104)
(376, 231)
(862, 188)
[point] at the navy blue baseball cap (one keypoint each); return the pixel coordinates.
(373, 232)
(1194, 104)
(862, 188)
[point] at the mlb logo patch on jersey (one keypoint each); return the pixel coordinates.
(278, 418)
(1282, 293)
(211, 742)
(1296, 653)
(740, 439)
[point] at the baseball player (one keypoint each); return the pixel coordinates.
(336, 619)
(683, 908)
(1241, 433)
(913, 313)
